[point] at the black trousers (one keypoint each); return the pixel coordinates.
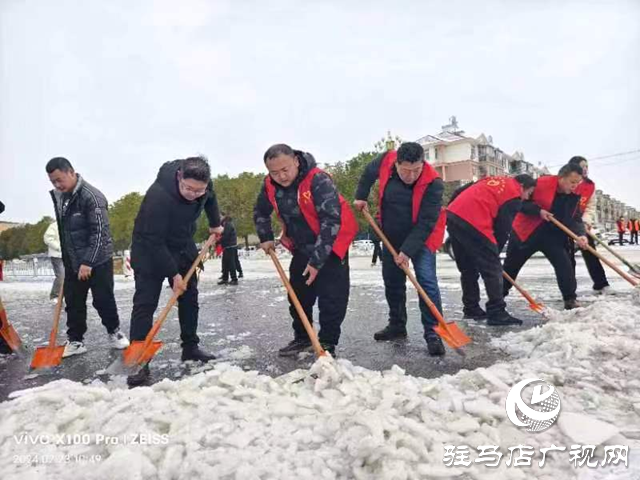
(554, 248)
(476, 256)
(238, 265)
(620, 237)
(75, 295)
(634, 238)
(330, 288)
(229, 268)
(377, 252)
(145, 302)
(596, 271)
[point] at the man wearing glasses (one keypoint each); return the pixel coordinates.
(163, 247)
(411, 216)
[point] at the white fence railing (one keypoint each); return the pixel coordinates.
(35, 267)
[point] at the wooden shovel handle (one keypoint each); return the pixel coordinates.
(593, 251)
(56, 318)
(296, 303)
(522, 291)
(407, 270)
(611, 250)
(174, 298)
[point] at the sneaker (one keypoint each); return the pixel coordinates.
(503, 319)
(139, 378)
(294, 347)
(73, 348)
(571, 304)
(194, 353)
(118, 340)
(435, 346)
(476, 313)
(233, 282)
(390, 332)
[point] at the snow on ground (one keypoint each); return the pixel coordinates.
(339, 420)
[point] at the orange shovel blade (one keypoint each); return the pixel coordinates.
(452, 335)
(537, 307)
(136, 353)
(47, 357)
(11, 337)
(8, 332)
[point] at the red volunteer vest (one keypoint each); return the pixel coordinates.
(585, 190)
(428, 175)
(622, 227)
(543, 196)
(479, 204)
(348, 223)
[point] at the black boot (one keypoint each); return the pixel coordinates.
(475, 313)
(223, 282)
(240, 275)
(503, 319)
(294, 347)
(139, 378)
(233, 282)
(4, 348)
(571, 304)
(329, 348)
(434, 345)
(193, 352)
(391, 332)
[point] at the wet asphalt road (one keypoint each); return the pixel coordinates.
(248, 323)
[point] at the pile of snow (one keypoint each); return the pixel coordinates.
(339, 420)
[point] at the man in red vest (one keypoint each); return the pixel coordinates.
(634, 228)
(318, 228)
(411, 216)
(554, 196)
(622, 229)
(479, 219)
(587, 206)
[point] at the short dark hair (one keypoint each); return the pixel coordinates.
(570, 168)
(278, 149)
(527, 181)
(196, 168)
(410, 152)
(58, 163)
(577, 160)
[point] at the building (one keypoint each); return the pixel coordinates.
(461, 158)
(608, 210)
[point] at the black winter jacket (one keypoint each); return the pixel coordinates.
(163, 232)
(229, 236)
(83, 221)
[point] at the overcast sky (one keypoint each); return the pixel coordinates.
(121, 86)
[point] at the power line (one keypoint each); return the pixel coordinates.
(602, 157)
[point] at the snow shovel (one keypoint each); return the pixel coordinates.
(533, 305)
(51, 355)
(317, 348)
(635, 269)
(448, 331)
(9, 333)
(139, 353)
(592, 250)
